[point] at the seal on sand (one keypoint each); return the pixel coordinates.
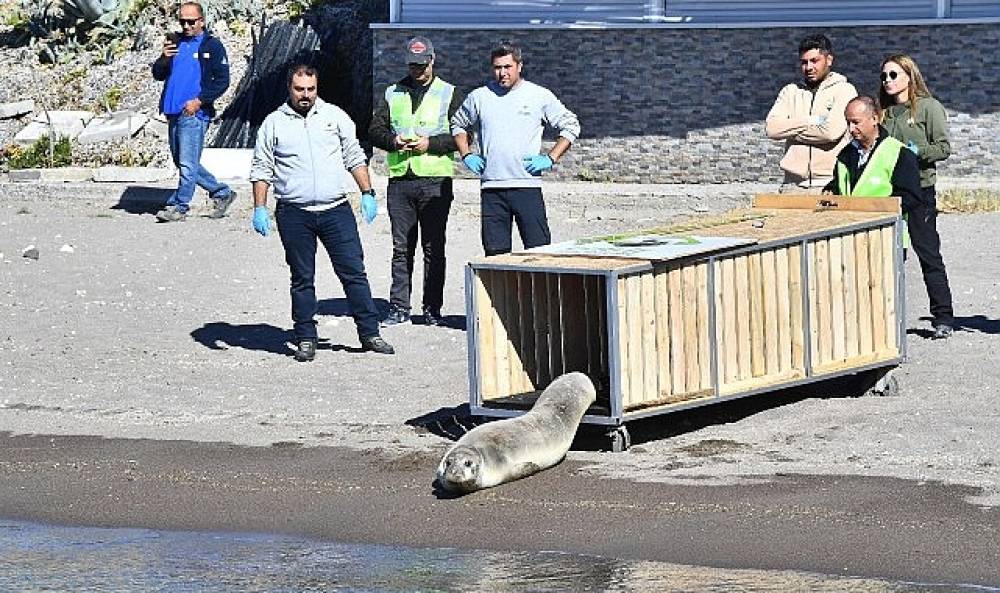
(513, 448)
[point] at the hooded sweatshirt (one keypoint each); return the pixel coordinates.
(811, 147)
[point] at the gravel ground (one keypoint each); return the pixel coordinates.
(128, 328)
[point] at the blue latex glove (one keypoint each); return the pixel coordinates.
(475, 163)
(369, 207)
(913, 147)
(537, 163)
(261, 220)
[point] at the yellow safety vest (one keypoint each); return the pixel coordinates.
(876, 179)
(430, 119)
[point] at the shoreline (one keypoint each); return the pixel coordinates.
(838, 525)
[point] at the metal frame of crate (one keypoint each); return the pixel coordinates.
(664, 336)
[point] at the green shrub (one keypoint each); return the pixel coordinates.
(36, 156)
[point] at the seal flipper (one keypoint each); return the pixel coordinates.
(523, 470)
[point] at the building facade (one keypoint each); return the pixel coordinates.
(686, 102)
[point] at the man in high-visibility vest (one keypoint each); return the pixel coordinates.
(411, 124)
(874, 164)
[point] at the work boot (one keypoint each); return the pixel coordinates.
(220, 205)
(432, 317)
(396, 316)
(376, 344)
(942, 331)
(306, 351)
(170, 214)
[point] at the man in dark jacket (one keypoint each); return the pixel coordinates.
(196, 71)
(411, 125)
(874, 164)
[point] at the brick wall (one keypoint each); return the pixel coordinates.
(687, 105)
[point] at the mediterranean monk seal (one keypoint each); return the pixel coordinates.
(505, 450)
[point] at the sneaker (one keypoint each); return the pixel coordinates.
(170, 214)
(396, 316)
(942, 331)
(376, 344)
(221, 205)
(433, 318)
(306, 351)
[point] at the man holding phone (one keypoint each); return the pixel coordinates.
(411, 125)
(196, 73)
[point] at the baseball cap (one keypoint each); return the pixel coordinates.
(419, 51)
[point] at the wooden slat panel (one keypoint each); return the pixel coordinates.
(704, 329)
(512, 318)
(730, 360)
(633, 288)
(795, 294)
(838, 334)
(501, 344)
(526, 321)
(555, 342)
(486, 338)
(825, 203)
(813, 302)
(662, 296)
(743, 313)
(650, 390)
(878, 292)
(889, 268)
(823, 305)
(677, 352)
(771, 287)
(593, 304)
(851, 329)
(692, 376)
(540, 326)
(757, 365)
(783, 309)
(574, 322)
(864, 291)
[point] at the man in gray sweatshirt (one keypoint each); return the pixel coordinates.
(509, 113)
(305, 150)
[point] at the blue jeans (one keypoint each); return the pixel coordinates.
(338, 231)
(525, 206)
(186, 135)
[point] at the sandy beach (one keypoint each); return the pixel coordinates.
(145, 380)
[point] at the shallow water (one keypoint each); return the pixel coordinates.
(37, 557)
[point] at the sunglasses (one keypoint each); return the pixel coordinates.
(890, 75)
(188, 22)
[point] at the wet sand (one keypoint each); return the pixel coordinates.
(856, 526)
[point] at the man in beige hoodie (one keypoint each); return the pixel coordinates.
(809, 117)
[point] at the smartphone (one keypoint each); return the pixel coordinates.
(173, 37)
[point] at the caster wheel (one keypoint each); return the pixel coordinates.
(620, 439)
(886, 386)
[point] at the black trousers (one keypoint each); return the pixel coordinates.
(926, 243)
(338, 231)
(525, 206)
(418, 206)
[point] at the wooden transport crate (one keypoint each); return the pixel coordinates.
(818, 294)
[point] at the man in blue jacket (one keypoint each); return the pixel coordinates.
(196, 71)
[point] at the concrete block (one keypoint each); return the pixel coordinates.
(64, 118)
(61, 174)
(16, 109)
(35, 131)
(227, 163)
(132, 174)
(157, 125)
(121, 124)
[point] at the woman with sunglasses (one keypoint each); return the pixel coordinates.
(911, 115)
